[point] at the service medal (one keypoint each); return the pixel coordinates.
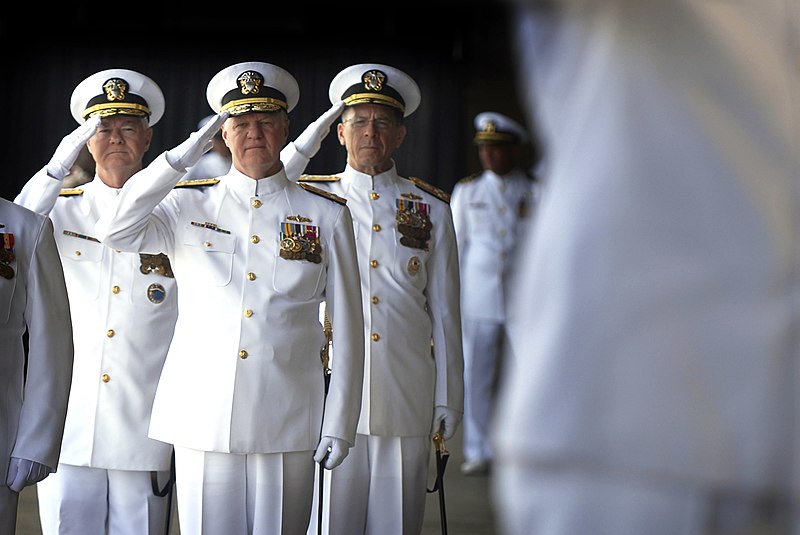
(7, 255)
(156, 293)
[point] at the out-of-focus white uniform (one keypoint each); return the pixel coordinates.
(33, 296)
(655, 313)
(490, 216)
(410, 300)
(243, 374)
(210, 165)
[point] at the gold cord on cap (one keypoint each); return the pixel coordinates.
(240, 106)
(365, 98)
(114, 108)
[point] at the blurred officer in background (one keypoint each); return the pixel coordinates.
(490, 213)
(408, 262)
(214, 163)
(656, 379)
(242, 392)
(35, 386)
(123, 312)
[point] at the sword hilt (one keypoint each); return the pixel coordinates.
(438, 441)
(325, 354)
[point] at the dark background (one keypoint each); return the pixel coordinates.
(459, 53)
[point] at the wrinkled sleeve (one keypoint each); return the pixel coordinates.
(139, 220)
(444, 307)
(343, 295)
(47, 314)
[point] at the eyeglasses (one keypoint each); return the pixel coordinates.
(360, 123)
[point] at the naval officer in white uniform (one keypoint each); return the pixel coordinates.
(491, 211)
(408, 262)
(33, 297)
(242, 392)
(123, 312)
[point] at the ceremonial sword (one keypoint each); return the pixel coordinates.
(442, 455)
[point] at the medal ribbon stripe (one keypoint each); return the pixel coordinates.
(81, 236)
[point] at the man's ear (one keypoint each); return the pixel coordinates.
(401, 136)
(149, 138)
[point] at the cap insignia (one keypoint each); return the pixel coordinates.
(115, 89)
(373, 80)
(250, 82)
(490, 127)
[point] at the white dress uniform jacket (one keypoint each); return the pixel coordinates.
(410, 298)
(123, 314)
(656, 312)
(34, 298)
(489, 215)
(243, 374)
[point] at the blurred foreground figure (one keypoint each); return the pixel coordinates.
(654, 386)
(35, 380)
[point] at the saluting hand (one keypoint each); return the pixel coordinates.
(67, 151)
(198, 143)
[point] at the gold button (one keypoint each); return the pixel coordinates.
(376, 227)
(255, 239)
(248, 312)
(256, 203)
(374, 195)
(375, 300)
(373, 263)
(251, 276)
(105, 377)
(77, 253)
(242, 354)
(206, 244)
(375, 337)
(110, 333)
(115, 289)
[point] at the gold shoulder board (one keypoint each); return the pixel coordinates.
(469, 178)
(196, 183)
(430, 188)
(318, 178)
(68, 192)
(323, 193)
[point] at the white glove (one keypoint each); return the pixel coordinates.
(22, 473)
(445, 421)
(331, 451)
(198, 143)
(296, 154)
(309, 142)
(67, 151)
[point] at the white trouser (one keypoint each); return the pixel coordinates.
(76, 500)
(238, 494)
(563, 501)
(482, 340)
(379, 489)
